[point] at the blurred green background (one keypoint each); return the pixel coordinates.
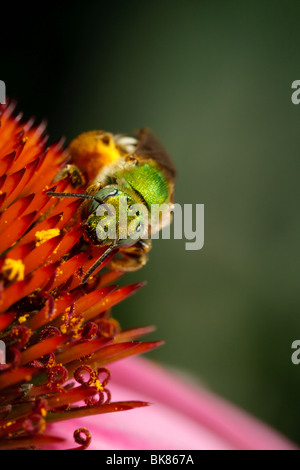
(213, 80)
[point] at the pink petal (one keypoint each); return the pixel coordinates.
(183, 416)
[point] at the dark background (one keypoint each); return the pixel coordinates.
(213, 80)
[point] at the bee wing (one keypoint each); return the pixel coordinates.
(149, 146)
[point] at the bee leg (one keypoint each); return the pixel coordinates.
(77, 178)
(132, 258)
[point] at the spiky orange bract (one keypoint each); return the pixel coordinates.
(59, 334)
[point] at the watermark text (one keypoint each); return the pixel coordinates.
(2, 92)
(2, 352)
(138, 222)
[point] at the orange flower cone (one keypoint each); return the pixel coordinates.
(58, 333)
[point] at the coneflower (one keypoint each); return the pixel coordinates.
(61, 341)
(59, 334)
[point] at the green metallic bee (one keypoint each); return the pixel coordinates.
(118, 168)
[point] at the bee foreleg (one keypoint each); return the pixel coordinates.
(132, 258)
(77, 178)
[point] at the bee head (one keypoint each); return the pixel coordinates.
(116, 216)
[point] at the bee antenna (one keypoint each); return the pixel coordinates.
(73, 195)
(99, 261)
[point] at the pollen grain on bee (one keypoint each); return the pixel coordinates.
(138, 221)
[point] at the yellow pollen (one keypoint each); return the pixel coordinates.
(23, 318)
(98, 385)
(8, 424)
(63, 329)
(13, 269)
(51, 363)
(42, 425)
(43, 235)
